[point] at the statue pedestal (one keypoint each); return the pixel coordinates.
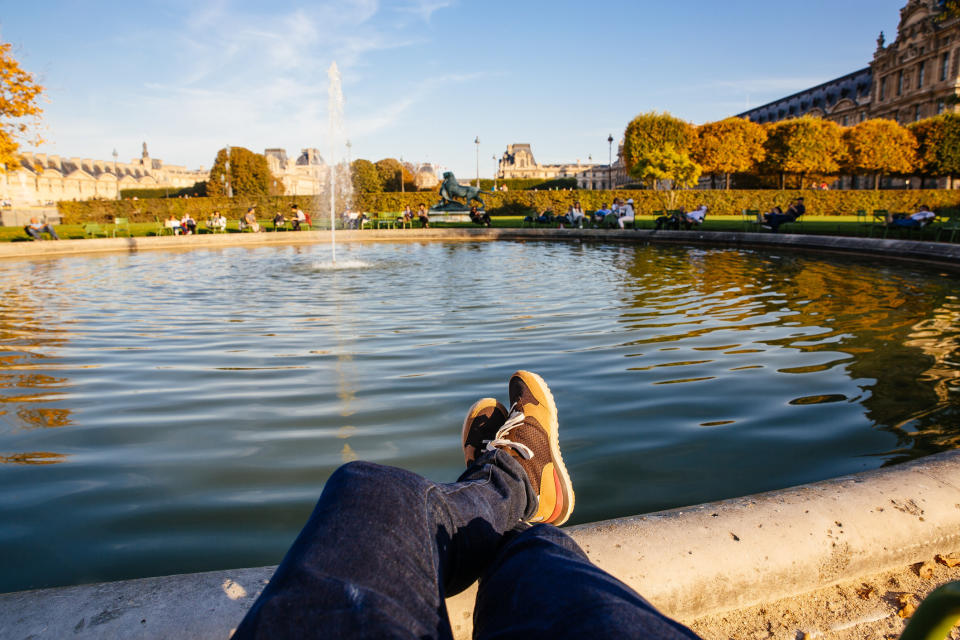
(449, 216)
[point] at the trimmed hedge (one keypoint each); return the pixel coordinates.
(720, 202)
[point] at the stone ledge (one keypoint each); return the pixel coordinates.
(689, 562)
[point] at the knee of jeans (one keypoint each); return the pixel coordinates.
(370, 480)
(547, 534)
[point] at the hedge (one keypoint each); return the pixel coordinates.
(720, 202)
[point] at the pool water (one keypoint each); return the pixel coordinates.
(172, 412)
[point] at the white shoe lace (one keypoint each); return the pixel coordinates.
(514, 420)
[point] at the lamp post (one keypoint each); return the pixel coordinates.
(476, 141)
(496, 169)
(610, 161)
(115, 174)
(226, 172)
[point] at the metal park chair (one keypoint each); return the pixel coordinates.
(121, 225)
(750, 218)
(93, 230)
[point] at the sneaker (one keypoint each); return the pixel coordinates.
(529, 434)
(483, 420)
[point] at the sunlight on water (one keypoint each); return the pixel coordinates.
(174, 412)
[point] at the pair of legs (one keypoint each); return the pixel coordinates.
(774, 220)
(37, 233)
(384, 547)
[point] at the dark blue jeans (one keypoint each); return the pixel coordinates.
(384, 547)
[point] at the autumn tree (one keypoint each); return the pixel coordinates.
(666, 163)
(19, 106)
(879, 147)
(733, 145)
(803, 146)
(249, 174)
(938, 143)
(390, 171)
(366, 178)
(652, 132)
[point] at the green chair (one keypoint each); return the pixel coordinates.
(950, 227)
(121, 225)
(750, 219)
(863, 222)
(93, 230)
(879, 222)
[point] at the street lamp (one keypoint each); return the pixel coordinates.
(610, 161)
(496, 168)
(476, 141)
(226, 172)
(116, 175)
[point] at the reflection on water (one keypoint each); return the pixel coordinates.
(165, 413)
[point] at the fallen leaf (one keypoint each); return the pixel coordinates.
(924, 569)
(951, 559)
(907, 606)
(866, 591)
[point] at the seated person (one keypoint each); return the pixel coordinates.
(217, 222)
(279, 221)
(573, 216)
(626, 214)
(601, 213)
(297, 217)
(672, 221)
(775, 217)
(187, 224)
(35, 229)
(406, 216)
(479, 218)
(545, 217)
(173, 224)
(694, 218)
(249, 220)
(424, 218)
(917, 220)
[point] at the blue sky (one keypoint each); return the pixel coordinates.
(421, 78)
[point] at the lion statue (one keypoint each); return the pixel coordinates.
(450, 189)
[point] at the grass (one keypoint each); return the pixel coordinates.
(818, 225)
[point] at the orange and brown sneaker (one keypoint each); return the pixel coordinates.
(529, 434)
(483, 420)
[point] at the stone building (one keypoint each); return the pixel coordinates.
(518, 162)
(306, 175)
(914, 77)
(41, 178)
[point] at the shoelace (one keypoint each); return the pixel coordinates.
(514, 420)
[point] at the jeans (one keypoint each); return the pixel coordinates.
(774, 220)
(384, 547)
(36, 233)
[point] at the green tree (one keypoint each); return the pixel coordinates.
(249, 174)
(653, 131)
(666, 164)
(938, 141)
(733, 145)
(366, 178)
(879, 147)
(19, 106)
(803, 146)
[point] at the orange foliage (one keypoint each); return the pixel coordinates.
(19, 105)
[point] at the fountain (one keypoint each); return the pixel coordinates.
(337, 139)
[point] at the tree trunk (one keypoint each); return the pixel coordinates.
(876, 182)
(783, 181)
(727, 187)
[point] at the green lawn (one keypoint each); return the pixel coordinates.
(815, 225)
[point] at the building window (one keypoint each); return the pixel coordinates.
(900, 82)
(921, 73)
(846, 120)
(916, 113)
(883, 88)
(941, 105)
(944, 66)
(863, 116)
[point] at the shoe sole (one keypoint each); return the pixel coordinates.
(566, 486)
